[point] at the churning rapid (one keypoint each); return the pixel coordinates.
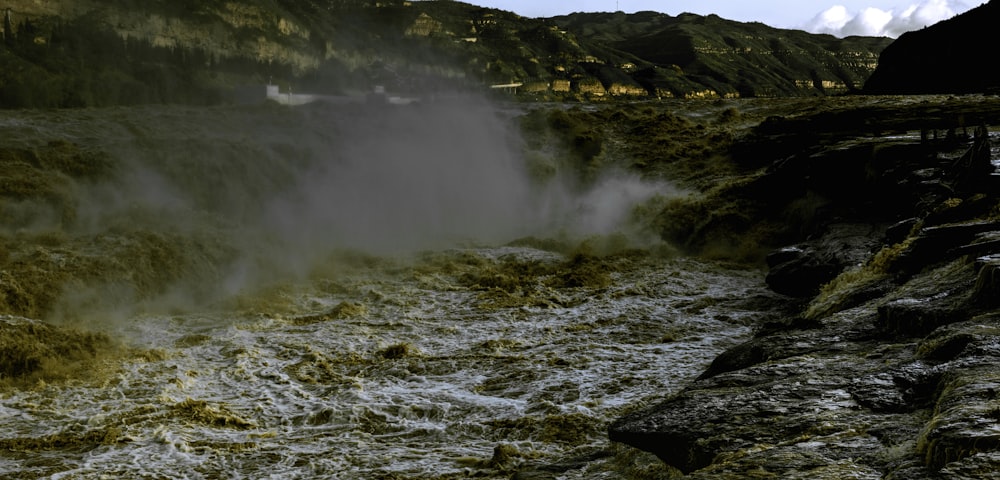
(329, 291)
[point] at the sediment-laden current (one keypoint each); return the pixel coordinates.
(334, 292)
(385, 369)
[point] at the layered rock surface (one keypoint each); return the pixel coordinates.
(889, 369)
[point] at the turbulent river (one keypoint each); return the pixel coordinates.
(319, 294)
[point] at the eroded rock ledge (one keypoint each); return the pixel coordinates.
(890, 371)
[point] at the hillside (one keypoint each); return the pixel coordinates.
(731, 58)
(69, 53)
(947, 57)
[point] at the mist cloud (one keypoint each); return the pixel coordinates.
(841, 22)
(232, 199)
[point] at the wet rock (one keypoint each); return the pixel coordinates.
(916, 316)
(736, 413)
(987, 289)
(939, 297)
(983, 465)
(978, 336)
(800, 270)
(942, 243)
(967, 415)
(951, 209)
(899, 389)
(808, 458)
(836, 397)
(898, 232)
(756, 351)
(963, 437)
(556, 470)
(984, 245)
(780, 387)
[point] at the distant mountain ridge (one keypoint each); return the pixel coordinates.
(62, 53)
(733, 58)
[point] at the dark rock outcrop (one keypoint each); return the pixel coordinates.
(890, 371)
(846, 395)
(952, 56)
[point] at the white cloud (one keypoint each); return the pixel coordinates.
(870, 21)
(830, 20)
(838, 20)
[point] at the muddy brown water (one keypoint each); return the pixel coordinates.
(263, 292)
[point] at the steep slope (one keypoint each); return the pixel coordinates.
(949, 57)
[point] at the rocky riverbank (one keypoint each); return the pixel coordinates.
(889, 368)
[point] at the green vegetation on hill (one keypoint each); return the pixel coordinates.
(89, 53)
(80, 66)
(733, 58)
